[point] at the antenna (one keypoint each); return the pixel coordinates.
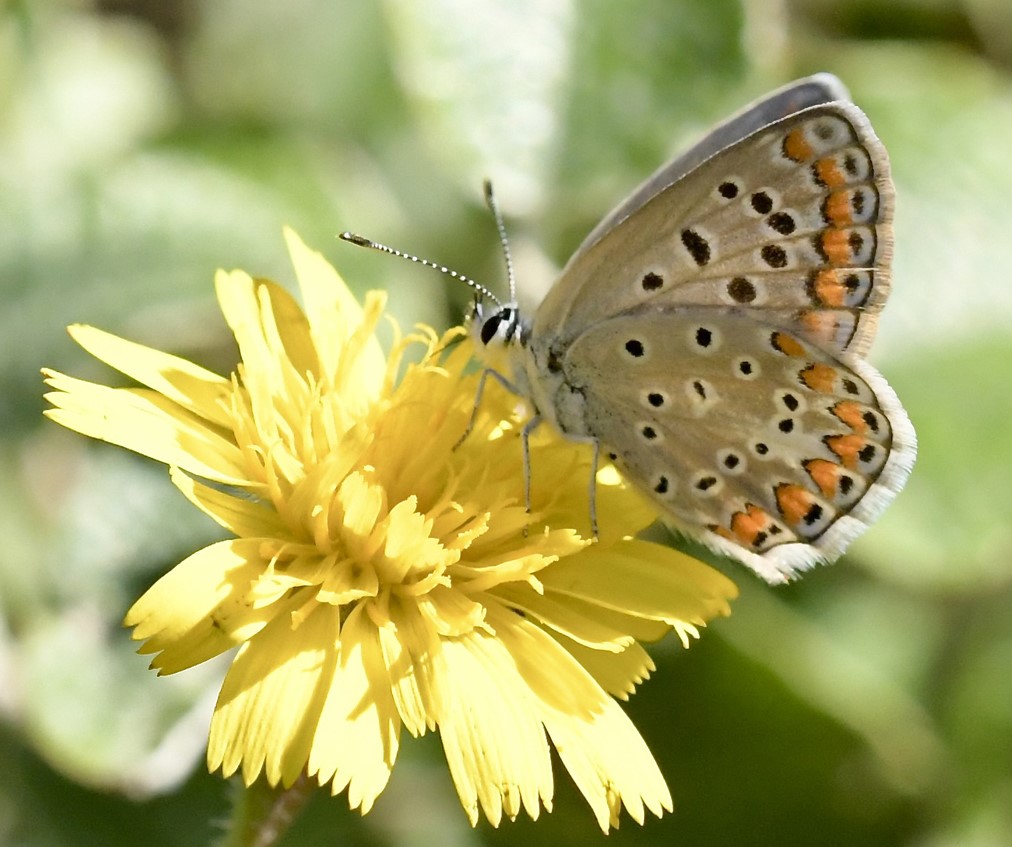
(493, 207)
(362, 241)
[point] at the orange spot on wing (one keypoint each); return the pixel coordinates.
(819, 377)
(796, 146)
(787, 345)
(838, 209)
(846, 447)
(851, 413)
(821, 326)
(836, 246)
(828, 289)
(829, 173)
(749, 524)
(825, 474)
(793, 502)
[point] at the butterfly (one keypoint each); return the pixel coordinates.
(710, 333)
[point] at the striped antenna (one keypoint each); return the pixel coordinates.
(361, 241)
(493, 207)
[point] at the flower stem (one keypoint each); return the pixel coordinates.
(262, 813)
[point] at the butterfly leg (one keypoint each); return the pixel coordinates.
(525, 435)
(592, 487)
(505, 383)
(595, 464)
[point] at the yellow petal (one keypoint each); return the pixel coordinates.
(609, 762)
(600, 747)
(191, 386)
(201, 607)
(644, 579)
(616, 673)
(412, 652)
(362, 504)
(239, 515)
(493, 739)
(335, 317)
(147, 423)
(289, 324)
(409, 547)
(570, 616)
(271, 698)
(584, 621)
(451, 612)
(267, 373)
(357, 734)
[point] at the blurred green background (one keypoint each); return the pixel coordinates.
(145, 143)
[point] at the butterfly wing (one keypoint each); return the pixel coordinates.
(721, 315)
(752, 439)
(794, 222)
(800, 94)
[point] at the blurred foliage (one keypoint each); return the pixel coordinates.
(145, 143)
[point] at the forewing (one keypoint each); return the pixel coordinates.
(759, 442)
(800, 94)
(793, 222)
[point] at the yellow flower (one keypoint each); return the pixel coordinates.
(378, 578)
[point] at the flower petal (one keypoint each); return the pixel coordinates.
(451, 612)
(644, 579)
(201, 607)
(268, 375)
(412, 651)
(357, 735)
(610, 763)
(272, 696)
(195, 389)
(335, 317)
(238, 514)
(289, 325)
(147, 423)
(600, 747)
(569, 616)
(492, 735)
(616, 673)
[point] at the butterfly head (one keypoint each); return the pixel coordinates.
(498, 326)
(498, 333)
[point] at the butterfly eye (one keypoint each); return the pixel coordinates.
(502, 324)
(490, 328)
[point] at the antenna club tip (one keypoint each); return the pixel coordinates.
(486, 186)
(360, 240)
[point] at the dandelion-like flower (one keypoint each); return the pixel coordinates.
(379, 578)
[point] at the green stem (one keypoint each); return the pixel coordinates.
(262, 814)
